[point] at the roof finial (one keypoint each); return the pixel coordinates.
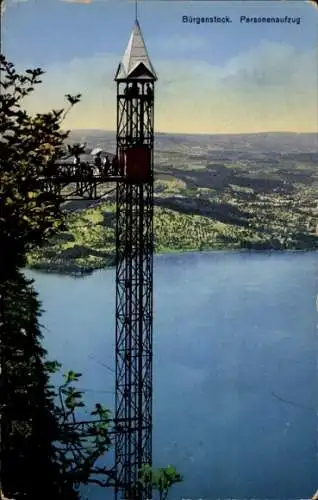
(136, 10)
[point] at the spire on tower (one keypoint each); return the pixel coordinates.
(136, 62)
(136, 10)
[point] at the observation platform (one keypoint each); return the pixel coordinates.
(82, 180)
(84, 176)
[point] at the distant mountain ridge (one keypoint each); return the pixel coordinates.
(267, 142)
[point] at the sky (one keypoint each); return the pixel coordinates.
(233, 77)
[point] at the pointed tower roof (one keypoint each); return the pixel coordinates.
(136, 63)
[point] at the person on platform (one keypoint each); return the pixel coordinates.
(76, 162)
(107, 165)
(115, 164)
(98, 162)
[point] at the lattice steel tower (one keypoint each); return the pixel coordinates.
(135, 79)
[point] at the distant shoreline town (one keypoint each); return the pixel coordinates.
(242, 192)
(243, 20)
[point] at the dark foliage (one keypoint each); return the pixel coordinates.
(28, 423)
(45, 452)
(29, 146)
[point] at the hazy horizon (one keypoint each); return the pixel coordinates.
(159, 132)
(214, 78)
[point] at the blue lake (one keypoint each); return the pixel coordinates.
(235, 366)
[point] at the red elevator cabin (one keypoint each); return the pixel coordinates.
(135, 164)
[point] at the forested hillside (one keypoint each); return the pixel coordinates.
(253, 191)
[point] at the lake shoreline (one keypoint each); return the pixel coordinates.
(81, 271)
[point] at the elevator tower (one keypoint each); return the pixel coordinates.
(135, 79)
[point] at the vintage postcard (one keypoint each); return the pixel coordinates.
(166, 213)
